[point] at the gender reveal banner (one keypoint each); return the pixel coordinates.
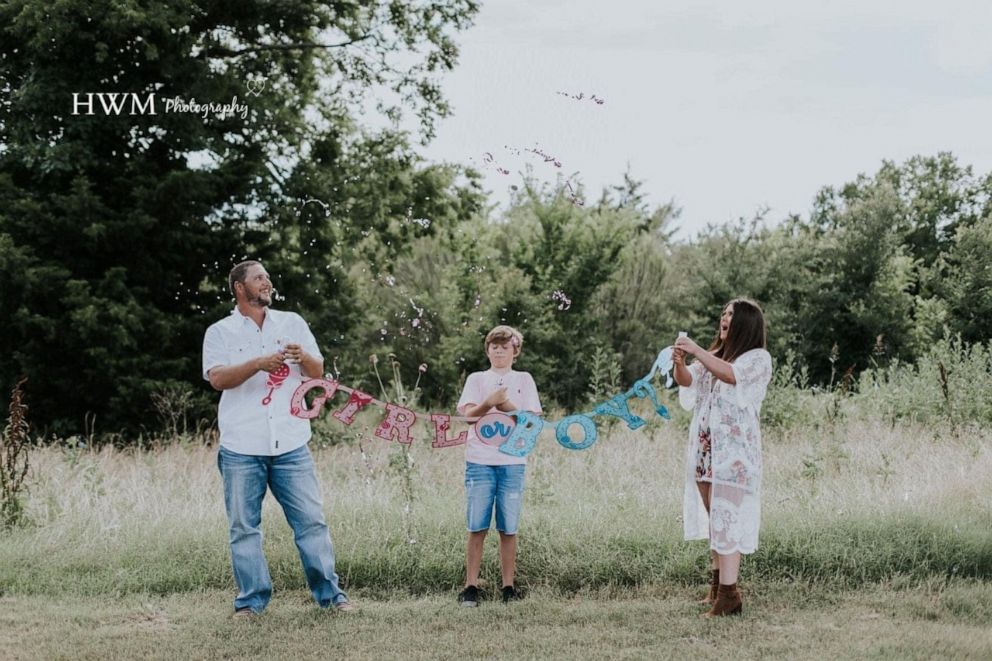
(515, 432)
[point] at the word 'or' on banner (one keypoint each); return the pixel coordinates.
(515, 432)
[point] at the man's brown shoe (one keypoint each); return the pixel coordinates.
(345, 607)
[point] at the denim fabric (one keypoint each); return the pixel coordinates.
(293, 481)
(486, 486)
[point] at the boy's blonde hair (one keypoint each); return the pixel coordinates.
(504, 334)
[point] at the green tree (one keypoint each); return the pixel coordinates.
(965, 284)
(936, 195)
(117, 230)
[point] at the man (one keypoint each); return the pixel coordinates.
(257, 357)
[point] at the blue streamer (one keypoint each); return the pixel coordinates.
(664, 364)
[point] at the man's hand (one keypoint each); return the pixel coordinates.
(270, 363)
(294, 353)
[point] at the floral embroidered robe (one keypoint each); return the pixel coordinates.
(732, 413)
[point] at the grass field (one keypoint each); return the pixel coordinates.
(783, 621)
(876, 541)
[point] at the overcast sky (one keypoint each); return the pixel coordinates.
(725, 107)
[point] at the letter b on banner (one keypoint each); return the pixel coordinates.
(524, 436)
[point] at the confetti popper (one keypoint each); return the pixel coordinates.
(274, 381)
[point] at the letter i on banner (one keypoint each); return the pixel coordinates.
(397, 423)
(442, 423)
(356, 402)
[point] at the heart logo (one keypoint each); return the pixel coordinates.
(255, 86)
(494, 429)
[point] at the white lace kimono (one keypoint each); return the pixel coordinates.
(733, 410)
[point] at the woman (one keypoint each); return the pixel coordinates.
(724, 389)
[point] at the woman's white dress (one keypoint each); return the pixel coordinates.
(732, 413)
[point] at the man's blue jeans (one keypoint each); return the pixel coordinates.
(293, 481)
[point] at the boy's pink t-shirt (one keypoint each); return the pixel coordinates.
(521, 390)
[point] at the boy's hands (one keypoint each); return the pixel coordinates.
(496, 398)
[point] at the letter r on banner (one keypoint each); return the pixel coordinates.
(397, 423)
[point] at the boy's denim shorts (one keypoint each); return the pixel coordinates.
(486, 486)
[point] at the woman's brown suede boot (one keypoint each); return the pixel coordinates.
(714, 584)
(728, 602)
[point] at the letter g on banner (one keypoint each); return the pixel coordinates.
(298, 404)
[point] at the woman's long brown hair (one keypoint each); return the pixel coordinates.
(747, 331)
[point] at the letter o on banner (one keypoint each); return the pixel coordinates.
(588, 430)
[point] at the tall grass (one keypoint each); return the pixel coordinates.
(853, 501)
(950, 384)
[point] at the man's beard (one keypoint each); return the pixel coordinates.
(260, 300)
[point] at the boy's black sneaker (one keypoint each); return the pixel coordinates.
(469, 597)
(510, 594)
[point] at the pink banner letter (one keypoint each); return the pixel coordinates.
(356, 402)
(298, 404)
(442, 423)
(397, 422)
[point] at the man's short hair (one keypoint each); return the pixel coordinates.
(504, 334)
(240, 272)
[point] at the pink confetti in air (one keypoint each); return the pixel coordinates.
(415, 323)
(548, 158)
(488, 158)
(582, 95)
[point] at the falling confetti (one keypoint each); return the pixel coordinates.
(581, 95)
(547, 157)
(564, 302)
(488, 158)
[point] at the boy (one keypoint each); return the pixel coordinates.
(493, 479)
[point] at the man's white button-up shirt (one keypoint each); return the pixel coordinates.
(254, 418)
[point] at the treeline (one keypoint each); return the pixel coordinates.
(117, 231)
(878, 272)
